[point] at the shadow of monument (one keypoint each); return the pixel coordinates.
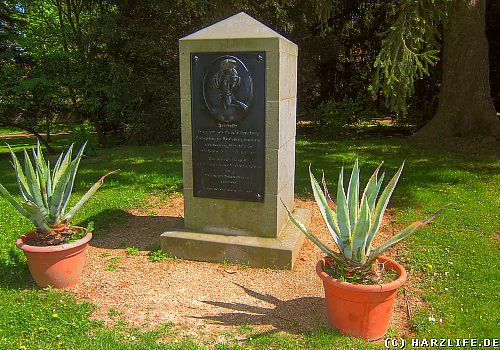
(129, 230)
(294, 316)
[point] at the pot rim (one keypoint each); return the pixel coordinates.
(376, 288)
(52, 248)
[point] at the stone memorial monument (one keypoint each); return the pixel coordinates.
(238, 106)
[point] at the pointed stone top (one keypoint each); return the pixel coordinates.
(238, 26)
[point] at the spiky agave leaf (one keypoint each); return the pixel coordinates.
(46, 193)
(33, 183)
(22, 183)
(329, 200)
(87, 196)
(55, 170)
(37, 216)
(343, 217)
(359, 233)
(48, 185)
(328, 215)
(323, 247)
(73, 170)
(62, 166)
(353, 196)
(372, 188)
(380, 208)
(42, 171)
(60, 180)
(403, 234)
(354, 236)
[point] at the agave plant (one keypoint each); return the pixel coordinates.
(46, 192)
(354, 221)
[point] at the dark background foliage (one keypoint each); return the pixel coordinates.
(114, 63)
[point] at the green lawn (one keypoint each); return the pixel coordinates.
(55, 128)
(456, 257)
(9, 131)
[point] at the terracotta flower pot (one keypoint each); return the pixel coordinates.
(59, 266)
(361, 310)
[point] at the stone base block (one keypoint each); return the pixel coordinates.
(260, 252)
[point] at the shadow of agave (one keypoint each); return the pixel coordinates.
(293, 316)
(14, 272)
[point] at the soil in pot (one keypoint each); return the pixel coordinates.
(59, 235)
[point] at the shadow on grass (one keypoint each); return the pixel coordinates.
(293, 316)
(116, 229)
(14, 271)
(427, 165)
(121, 229)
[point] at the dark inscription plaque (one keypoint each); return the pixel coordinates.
(228, 123)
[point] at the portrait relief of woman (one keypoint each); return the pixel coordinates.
(228, 89)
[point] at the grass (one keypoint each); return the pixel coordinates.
(9, 131)
(55, 128)
(455, 259)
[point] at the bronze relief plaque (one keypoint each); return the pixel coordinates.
(228, 125)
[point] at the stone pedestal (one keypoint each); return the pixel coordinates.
(238, 107)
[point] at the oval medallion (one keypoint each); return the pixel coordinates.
(228, 89)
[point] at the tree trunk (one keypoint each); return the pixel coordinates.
(465, 104)
(43, 141)
(102, 140)
(47, 128)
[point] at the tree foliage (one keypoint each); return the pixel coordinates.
(410, 48)
(409, 51)
(114, 63)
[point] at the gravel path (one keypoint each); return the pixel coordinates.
(205, 299)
